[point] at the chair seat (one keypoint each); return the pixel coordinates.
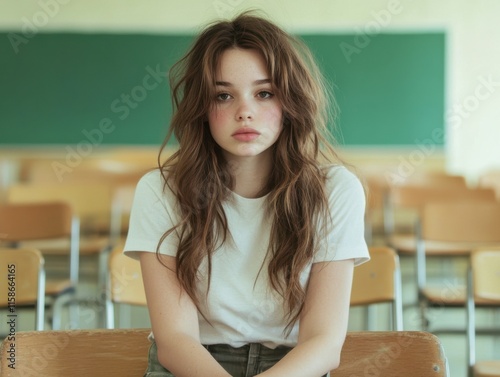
(88, 245)
(93, 244)
(56, 287)
(489, 368)
(407, 244)
(451, 296)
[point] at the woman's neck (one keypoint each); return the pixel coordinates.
(250, 174)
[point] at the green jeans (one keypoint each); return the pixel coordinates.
(246, 361)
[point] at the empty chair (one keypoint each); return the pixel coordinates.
(121, 207)
(451, 230)
(101, 353)
(23, 283)
(125, 284)
(399, 203)
(90, 201)
(409, 200)
(379, 281)
(483, 290)
(38, 222)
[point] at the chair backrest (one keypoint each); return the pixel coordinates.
(91, 202)
(124, 283)
(461, 222)
(23, 282)
(409, 200)
(99, 169)
(414, 196)
(455, 229)
(29, 221)
(125, 276)
(483, 288)
(40, 221)
(379, 281)
(392, 354)
(99, 353)
(485, 266)
(77, 353)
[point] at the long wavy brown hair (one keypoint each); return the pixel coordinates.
(202, 179)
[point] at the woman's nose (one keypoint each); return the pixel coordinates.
(244, 112)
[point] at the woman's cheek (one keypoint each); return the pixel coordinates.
(218, 118)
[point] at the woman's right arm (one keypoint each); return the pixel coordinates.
(174, 321)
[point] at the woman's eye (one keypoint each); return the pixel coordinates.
(265, 94)
(223, 96)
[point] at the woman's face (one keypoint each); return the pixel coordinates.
(246, 119)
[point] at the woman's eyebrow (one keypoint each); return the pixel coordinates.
(256, 82)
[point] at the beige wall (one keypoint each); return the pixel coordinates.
(473, 57)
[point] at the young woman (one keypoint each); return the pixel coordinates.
(248, 234)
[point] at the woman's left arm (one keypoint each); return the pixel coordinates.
(323, 323)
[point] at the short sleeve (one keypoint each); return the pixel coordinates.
(151, 216)
(345, 238)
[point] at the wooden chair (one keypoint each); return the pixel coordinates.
(23, 282)
(111, 172)
(100, 353)
(380, 179)
(409, 201)
(483, 290)
(38, 222)
(379, 281)
(91, 202)
(402, 199)
(121, 207)
(77, 353)
(392, 354)
(96, 204)
(452, 230)
(125, 285)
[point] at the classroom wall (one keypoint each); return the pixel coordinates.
(472, 118)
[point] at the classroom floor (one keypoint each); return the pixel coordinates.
(92, 316)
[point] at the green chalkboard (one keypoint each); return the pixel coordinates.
(67, 88)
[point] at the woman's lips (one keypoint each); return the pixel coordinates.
(246, 134)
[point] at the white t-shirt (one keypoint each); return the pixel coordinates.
(241, 306)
